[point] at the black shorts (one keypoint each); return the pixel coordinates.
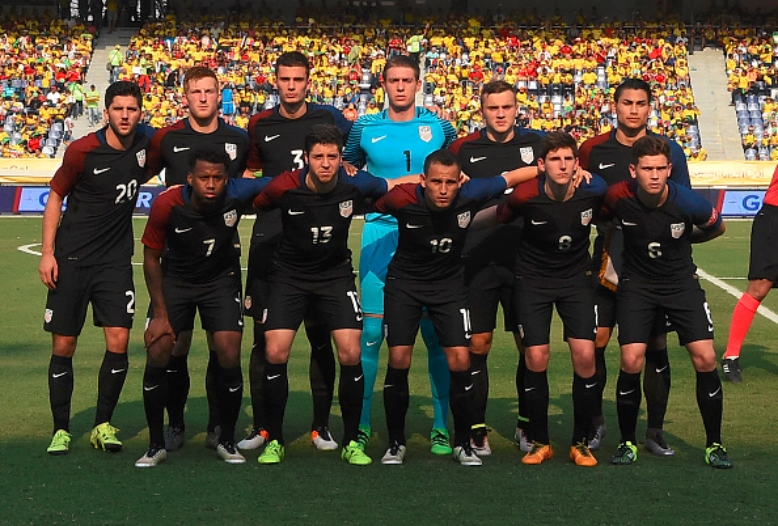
(684, 304)
(109, 289)
(491, 286)
(336, 303)
(534, 300)
(446, 304)
(764, 245)
(605, 300)
(219, 303)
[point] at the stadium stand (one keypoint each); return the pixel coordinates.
(43, 61)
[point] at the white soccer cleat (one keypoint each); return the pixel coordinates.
(153, 457)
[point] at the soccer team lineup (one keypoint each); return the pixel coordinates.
(462, 237)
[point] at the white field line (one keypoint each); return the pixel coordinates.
(729, 289)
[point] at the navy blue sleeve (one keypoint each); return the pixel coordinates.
(483, 189)
(703, 214)
(246, 189)
(145, 129)
(596, 186)
(680, 172)
(367, 184)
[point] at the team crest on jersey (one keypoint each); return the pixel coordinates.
(425, 133)
(346, 208)
(230, 218)
(586, 217)
(231, 149)
(141, 156)
(677, 229)
(463, 219)
(527, 155)
(47, 315)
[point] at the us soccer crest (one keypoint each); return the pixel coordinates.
(230, 218)
(586, 217)
(425, 133)
(527, 155)
(677, 229)
(47, 316)
(231, 149)
(463, 219)
(346, 208)
(141, 156)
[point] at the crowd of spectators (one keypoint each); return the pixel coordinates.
(43, 62)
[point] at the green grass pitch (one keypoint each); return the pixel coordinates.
(312, 487)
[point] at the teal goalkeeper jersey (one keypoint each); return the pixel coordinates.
(391, 149)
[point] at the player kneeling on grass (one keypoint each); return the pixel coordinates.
(312, 272)
(660, 220)
(552, 268)
(427, 272)
(191, 263)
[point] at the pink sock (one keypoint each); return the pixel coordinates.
(741, 322)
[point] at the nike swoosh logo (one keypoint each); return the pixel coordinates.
(273, 377)
(235, 389)
(182, 230)
(476, 159)
(296, 212)
(468, 387)
(660, 369)
(604, 166)
(714, 393)
(177, 149)
(376, 139)
(388, 386)
(358, 378)
(171, 370)
(117, 371)
(370, 344)
(57, 375)
(628, 223)
(710, 328)
(536, 223)
(145, 388)
(589, 386)
(625, 393)
(97, 171)
(269, 138)
(528, 389)
(473, 373)
(408, 225)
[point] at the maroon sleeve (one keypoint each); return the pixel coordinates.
(615, 193)
(398, 197)
(72, 168)
(585, 150)
(456, 145)
(156, 227)
(271, 194)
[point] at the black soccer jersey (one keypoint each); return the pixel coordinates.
(199, 245)
(610, 159)
(481, 157)
(431, 241)
(277, 146)
(556, 236)
(314, 242)
(277, 142)
(171, 147)
(657, 244)
(101, 185)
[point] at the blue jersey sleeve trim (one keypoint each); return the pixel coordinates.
(368, 185)
(245, 189)
(483, 189)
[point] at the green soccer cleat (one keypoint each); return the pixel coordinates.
(627, 453)
(104, 437)
(273, 453)
(716, 456)
(363, 436)
(60, 443)
(440, 442)
(355, 455)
